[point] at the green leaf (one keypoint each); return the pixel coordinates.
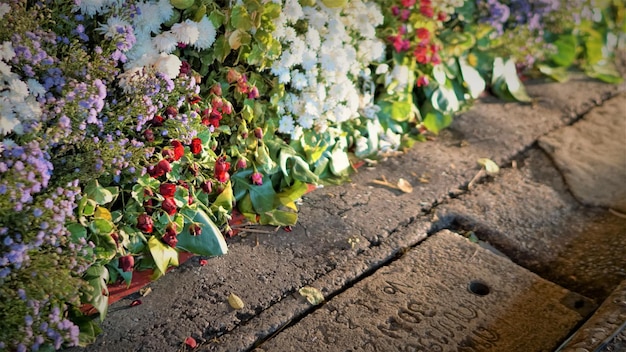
(127, 276)
(163, 255)
(558, 74)
(97, 277)
(99, 194)
(136, 240)
(240, 18)
(566, 50)
(101, 226)
(89, 330)
(471, 78)
(444, 99)
(279, 217)
(224, 199)
(606, 73)
(209, 243)
(401, 110)
(435, 121)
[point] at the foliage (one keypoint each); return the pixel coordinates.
(131, 131)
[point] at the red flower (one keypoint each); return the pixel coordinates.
(191, 342)
(422, 81)
(257, 178)
(407, 3)
(427, 10)
(167, 190)
(148, 135)
(161, 168)
(232, 75)
(195, 229)
(194, 99)
(395, 10)
(258, 133)
(194, 169)
(126, 263)
(157, 120)
(170, 234)
(253, 93)
(398, 43)
(144, 223)
(169, 206)
(185, 68)
(171, 112)
(421, 54)
(442, 16)
(221, 169)
(422, 33)
(207, 186)
(216, 89)
(196, 145)
(179, 149)
(241, 163)
(227, 108)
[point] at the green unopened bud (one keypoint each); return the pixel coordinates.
(335, 4)
(182, 4)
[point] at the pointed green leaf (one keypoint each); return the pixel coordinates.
(209, 243)
(163, 255)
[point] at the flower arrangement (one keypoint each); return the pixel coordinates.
(130, 131)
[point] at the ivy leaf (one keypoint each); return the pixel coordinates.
(240, 18)
(224, 199)
(558, 74)
(471, 78)
(435, 120)
(209, 242)
(339, 161)
(162, 254)
(98, 296)
(99, 194)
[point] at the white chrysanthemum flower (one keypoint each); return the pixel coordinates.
(168, 64)
(35, 88)
(316, 18)
(18, 90)
(207, 34)
(143, 53)
(298, 80)
(109, 29)
(5, 70)
(93, 7)
(28, 109)
(286, 124)
(4, 9)
(149, 20)
(165, 42)
(6, 51)
(306, 121)
(166, 10)
(186, 32)
(8, 120)
(292, 11)
(313, 39)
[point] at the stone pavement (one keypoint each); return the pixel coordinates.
(514, 262)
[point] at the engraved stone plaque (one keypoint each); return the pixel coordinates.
(446, 294)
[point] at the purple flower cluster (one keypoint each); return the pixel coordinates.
(496, 14)
(528, 13)
(24, 172)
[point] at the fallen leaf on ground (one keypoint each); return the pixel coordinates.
(491, 167)
(203, 262)
(235, 302)
(313, 295)
(404, 186)
(145, 291)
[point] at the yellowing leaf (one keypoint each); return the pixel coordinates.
(235, 302)
(404, 186)
(103, 213)
(163, 255)
(491, 167)
(313, 295)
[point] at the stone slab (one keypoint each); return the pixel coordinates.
(529, 215)
(266, 269)
(446, 294)
(591, 155)
(605, 330)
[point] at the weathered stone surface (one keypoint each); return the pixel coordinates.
(191, 300)
(447, 294)
(591, 155)
(605, 328)
(528, 214)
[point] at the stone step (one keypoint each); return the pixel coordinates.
(446, 294)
